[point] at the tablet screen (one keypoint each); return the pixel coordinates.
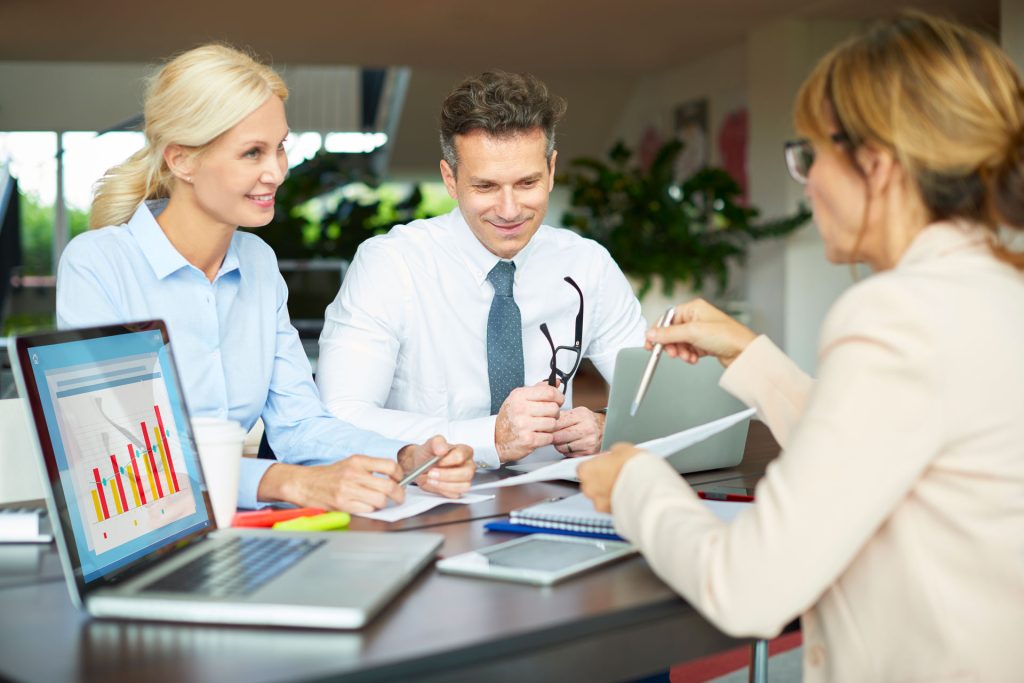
(544, 555)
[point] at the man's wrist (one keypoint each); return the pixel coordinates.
(277, 483)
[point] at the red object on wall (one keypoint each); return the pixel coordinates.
(650, 143)
(732, 148)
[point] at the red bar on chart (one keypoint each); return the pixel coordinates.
(99, 489)
(167, 448)
(135, 471)
(120, 486)
(152, 463)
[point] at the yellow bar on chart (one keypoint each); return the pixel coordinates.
(115, 496)
(163, 459)
(96, 502)
(131, 480)
(149, 474)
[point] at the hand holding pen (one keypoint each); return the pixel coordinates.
(438, 467)
(699, 329)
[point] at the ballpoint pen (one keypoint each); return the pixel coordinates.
(645, 381)
(420, 470)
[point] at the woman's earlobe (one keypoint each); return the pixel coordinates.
(179, 162)
(878, 166)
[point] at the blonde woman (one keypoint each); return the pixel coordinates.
(213, 159)
(893, 521)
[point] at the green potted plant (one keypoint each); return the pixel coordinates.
(313, 220)
(658, 229)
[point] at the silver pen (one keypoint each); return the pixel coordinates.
(420, 470)
(652, 363)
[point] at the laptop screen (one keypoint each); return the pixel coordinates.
(122, 462)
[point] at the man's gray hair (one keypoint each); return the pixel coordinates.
(502, 105)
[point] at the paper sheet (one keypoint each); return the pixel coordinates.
(667, 445)
(663, 447)
(417, 501)
(726, 510)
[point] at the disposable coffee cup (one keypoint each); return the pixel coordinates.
(220, 452)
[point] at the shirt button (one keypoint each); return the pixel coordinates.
(480, 465)
(815, 654)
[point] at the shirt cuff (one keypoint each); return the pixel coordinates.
(478, 433)
(249, 475)
(386, 448)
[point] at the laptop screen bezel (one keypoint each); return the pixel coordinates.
(63, 531)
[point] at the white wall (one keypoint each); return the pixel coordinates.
(788, 284)
(1011, 29)
(720, 78)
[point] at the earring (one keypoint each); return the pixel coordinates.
(188, 179)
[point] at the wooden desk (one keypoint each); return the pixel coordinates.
(612, 624)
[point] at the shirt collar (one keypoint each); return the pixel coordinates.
(163, 258)
(939, 239)
(476, 255)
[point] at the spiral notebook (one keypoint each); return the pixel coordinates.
(577, 513)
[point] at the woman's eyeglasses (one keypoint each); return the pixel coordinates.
(800, 156)
(566, 356)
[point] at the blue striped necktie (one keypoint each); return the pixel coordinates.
(504, 337)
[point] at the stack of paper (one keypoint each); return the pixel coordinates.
(418, 501)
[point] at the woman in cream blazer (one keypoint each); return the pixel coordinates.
(892, 523)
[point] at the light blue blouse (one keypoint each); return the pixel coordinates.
(237, 353)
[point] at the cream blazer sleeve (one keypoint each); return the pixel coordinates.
(822, 500)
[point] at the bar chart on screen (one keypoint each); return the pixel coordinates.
(123, 451)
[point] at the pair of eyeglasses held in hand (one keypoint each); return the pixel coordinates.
(566, 356)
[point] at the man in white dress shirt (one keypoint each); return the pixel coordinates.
(437, 327)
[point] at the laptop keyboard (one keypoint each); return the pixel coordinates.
(238, 567)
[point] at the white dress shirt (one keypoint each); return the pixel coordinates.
(404, 346)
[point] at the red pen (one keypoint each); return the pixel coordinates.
(266, 518)
(729, 497)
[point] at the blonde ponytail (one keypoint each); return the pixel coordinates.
(118, 193)
(191, 101)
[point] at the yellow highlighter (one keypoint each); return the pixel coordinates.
(328, 521)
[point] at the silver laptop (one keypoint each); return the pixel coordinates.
(134, 526)
(680, 396)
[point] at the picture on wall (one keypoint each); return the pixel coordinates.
(691, 127)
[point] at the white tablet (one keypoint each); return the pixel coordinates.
(541, 559)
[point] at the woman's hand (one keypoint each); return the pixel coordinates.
(354, 484)
(451, 476)
(699, 329)
(598, 475)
